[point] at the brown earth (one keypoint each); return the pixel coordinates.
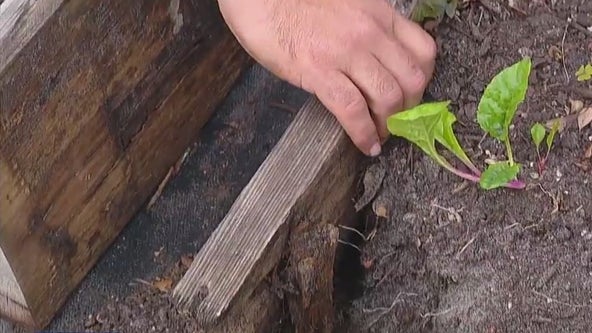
(451, 257)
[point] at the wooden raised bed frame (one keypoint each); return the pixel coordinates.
(98, 99)
(289, 213)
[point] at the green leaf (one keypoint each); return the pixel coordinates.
(419, 125)
(537, 132)
(446, 137)
(426, 123)
(501, 98)
(433, 9)
(584, 73)
(551, 135)
(498, 174)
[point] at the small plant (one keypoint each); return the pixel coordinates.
(537, 133)
(428, 123)
(584, 73)
(433, 9)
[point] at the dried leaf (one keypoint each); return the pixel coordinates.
(588, 152)
(372, 182)
(163, 285)
(585, 166)
(576, 105)
(157, 253)
(367, 263)
(564, 122)
(186, 261)
(555, 53)
(379, 209)
(585, 117)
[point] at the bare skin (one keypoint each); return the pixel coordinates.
(362, 59)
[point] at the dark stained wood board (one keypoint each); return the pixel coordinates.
(289, 210)
(98, 99)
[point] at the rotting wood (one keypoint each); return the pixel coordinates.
(98, 99)
(307, 178)
(261, 315)
(312, 255)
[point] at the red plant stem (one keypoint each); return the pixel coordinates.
(465, 175)
(516, 184)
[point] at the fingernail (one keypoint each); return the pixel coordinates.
(375, 150)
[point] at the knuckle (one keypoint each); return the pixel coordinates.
(430, 49)
(417, 80)
(318, 55)
(346, 97)
(352, 102)
(392, 98)
(365, 31)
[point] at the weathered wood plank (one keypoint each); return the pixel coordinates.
(95, 108)
(305, 182)
(19, 21)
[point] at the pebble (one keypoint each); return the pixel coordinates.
(586, 259)
(562, 233)
(90, 321)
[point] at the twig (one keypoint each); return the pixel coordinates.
(563, 49)
(553, 198)
(464, 248)
(283, 107)
(436, 314)
(172, 172)
(383, 310)
(461, 187)
(144, 282)
(354, 230)
(511, 226)
(553, 300)
(542, 320)
(534, 225)
(576, 25)
(452, 211)
(349, 244)
(160, 188)
(449, 210)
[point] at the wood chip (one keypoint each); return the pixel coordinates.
(163, 285)
(379, 209)
(157, 253)
(588, 152)
(564, 122)
(576, 105)
(584, 117)
(186, 261)
(372, 183)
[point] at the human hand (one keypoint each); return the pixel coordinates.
(362, 59)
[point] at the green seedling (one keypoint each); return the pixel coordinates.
(496, 111)
(433, 9)
(584, 73)
(431, 123)
(538, 133)
(428, 123)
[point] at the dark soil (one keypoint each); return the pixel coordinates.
(451, 257)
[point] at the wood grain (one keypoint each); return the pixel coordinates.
(95, 108)
(307, 178)
(19, 21)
